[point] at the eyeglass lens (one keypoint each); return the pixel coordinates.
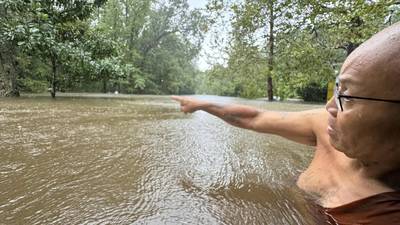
(337, 98)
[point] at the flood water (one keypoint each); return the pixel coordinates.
(138, 160)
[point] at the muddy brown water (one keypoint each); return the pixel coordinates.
(138, 160)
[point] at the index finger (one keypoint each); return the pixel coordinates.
(176, 98)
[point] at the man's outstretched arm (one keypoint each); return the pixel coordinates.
(296, 126)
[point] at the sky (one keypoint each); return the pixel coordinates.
(197, 3)
(201, 61)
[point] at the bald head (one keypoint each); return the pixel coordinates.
(378, 60)
(370, 130)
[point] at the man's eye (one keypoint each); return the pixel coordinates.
(346, 99)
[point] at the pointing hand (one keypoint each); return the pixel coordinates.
(188, 104)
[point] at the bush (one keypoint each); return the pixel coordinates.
(33, 86)
(313, 92)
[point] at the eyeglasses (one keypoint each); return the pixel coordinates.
(339, 97)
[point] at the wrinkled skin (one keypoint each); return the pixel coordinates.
(369, 130)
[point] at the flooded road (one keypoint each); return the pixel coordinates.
(138, 160)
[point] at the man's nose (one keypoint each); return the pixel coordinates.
(331, 107)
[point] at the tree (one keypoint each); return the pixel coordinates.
(160, 39)
(48, 28)
(12, 18)
(258, 23)
(349, 22)
(302, 41)
(133, 46)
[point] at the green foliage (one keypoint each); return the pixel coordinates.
(313, 92)
(149, 46)
(306, 44)
(302, 60)
(160, 38)
(351, 21)
(50, 30)
(133, 46)
(33, 86)
(218, 81)
(33, 74)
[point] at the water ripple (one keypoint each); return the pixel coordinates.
(138, 160)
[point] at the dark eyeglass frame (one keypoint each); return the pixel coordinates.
(338, 97)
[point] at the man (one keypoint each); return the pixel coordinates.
(356, 167)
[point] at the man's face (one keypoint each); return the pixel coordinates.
(364, 127)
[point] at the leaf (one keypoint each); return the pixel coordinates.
(34, 30)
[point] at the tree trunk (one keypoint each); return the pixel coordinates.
(53, 81)
(3, 80)
(271, 41)
(104, 86)
(119, 86)
(13, 79)
(10, 72)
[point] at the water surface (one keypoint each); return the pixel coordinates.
(138, 160)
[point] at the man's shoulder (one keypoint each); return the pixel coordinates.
(319, 120)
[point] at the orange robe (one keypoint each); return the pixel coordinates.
(380, 209)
